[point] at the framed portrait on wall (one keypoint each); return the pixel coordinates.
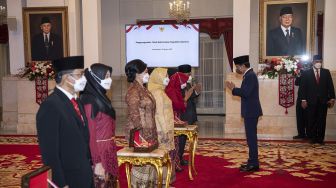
(286, 28)
(45, 33)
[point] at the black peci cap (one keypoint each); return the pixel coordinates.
(68, 63)
(241, 59)
(286, 10)
(45, 20)
(184, 68)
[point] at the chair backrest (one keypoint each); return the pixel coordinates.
(37, 178)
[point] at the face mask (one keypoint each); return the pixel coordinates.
(318, 65)
(166, 81)
(106, 83)
(183, 85)
(145, 78)
(79, 84)
(189, 80)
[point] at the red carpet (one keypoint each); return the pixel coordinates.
(283, 164)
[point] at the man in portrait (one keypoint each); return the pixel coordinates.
(285, 40)
(46, 45)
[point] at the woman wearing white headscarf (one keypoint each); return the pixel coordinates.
(164, 116)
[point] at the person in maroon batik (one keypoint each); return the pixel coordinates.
(178, 81)
(101, 120)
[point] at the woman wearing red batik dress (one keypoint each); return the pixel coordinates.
(178, 81)
(101, 122)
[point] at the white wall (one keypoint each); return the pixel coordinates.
(131, 10)
(16, 49)
(241, 27)
(111, 35)
(329, 45)
(254, 34)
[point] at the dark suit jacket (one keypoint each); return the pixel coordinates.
(298, 83)
(249, 93)
(190, 115)
(64, 141)
(39, 51)
(277, 44)
(311, 91)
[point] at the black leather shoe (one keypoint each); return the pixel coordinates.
(184, 162)
(249, 168)
(313, 141)
(321, 143)
(298, 137)
(243, 166)
(179, 169)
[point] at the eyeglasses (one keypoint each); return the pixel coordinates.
(77, 74)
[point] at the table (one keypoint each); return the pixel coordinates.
(191, 131)
(158, 158)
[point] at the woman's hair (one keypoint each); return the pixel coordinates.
(134, 67)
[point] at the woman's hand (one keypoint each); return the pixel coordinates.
(99, 170)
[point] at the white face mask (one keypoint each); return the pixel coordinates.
(79, 84)
(106, 83)
(145, 78)
(166, 81)
(189, 80)
(183, 85)
(318, 65)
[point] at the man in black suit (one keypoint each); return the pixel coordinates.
(46, 45)
(250, 108)
(301, 114)
(190, 93)
(318, 93)
(285, 40)
(62, 127)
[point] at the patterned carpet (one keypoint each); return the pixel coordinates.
(283, 164)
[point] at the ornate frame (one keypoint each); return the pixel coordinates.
(310, 23)
(44, 11)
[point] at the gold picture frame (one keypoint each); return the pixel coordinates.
(57, 44)
(269, 26)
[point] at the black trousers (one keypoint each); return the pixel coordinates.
(182, 143)
(317, 115)
(301, 120)
(252, 140)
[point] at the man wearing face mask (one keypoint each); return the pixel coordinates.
(318, 94)
(250, 108)
(62, 127)
(190, 93)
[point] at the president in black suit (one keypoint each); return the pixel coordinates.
(190, 93)
(62, 127)
(250, 108)
(46, 45)
(318, 93)
(285, 40)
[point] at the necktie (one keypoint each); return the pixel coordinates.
(75, 105)
(287, 35)
(317, 76)
(46, 43)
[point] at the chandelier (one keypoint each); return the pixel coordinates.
(179, 10)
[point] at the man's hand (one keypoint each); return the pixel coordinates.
(331, 103)
(304, 104)
(230, 85)
(198, 88)
(67, 186)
